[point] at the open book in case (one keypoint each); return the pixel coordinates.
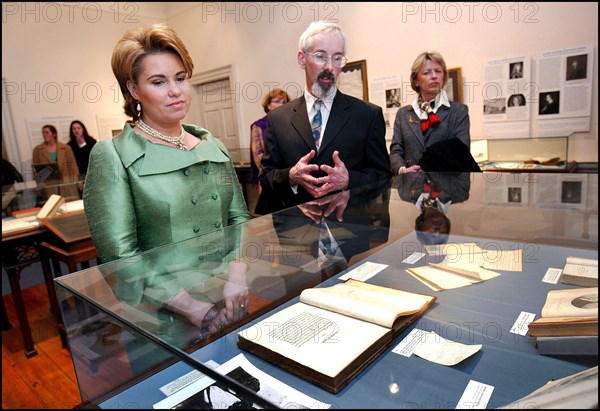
(334, 332)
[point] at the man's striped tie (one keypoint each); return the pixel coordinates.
(316, 123)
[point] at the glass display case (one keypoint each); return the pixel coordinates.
(538, 154)
(23, 232)
(134, 346)
(31, 194)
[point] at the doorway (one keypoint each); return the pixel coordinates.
(214, 106)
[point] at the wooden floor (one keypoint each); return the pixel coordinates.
(46, 380)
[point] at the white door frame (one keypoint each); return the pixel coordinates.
(222, 73)
(9, 139)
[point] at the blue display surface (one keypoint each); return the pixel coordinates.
(478, 314)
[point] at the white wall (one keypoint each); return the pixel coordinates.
(261, 40)
(56, 62)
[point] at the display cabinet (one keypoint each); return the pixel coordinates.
(22, 236)
(540, 154)
(31, 194)
(133, 348)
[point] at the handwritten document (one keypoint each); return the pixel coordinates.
(506, 260)
(432, 347)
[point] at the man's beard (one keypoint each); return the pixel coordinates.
(322, 90)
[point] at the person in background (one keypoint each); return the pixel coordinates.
(431, 123)
(81, 143)
(53, 151)
(324, 141)
(258, 131)
(160, 182)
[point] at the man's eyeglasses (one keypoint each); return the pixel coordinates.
(320, 58)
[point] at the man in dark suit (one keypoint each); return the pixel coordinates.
(324, 141)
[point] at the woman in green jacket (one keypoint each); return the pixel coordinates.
(161, 182)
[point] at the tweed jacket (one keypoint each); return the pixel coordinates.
(355, 128)
(409, 143)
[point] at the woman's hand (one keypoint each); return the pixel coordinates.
(235, 291)
(412, 169)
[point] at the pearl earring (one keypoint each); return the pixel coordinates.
(138, 107)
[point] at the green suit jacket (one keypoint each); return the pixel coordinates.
(139, 196)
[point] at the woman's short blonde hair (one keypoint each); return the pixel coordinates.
(276, 92)
(134, 46)
(420, 62)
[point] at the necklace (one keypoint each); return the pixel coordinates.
(176, 141)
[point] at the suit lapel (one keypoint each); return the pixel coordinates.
(301, 124)
(340, 114)
(443, 112)
(414, 123)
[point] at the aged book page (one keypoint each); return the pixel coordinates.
(568, 312)
(438, 279)
(576, 302)
(580, 271)
(506, 260)
(51, 206)
(325, 346)
(20, 224)
(319, 339)
(444, 276)
(453, 249)
(582, 261)
(378, 305)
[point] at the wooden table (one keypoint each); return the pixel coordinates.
(70, 243)
(19, 250)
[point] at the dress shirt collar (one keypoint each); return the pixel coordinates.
(327, 102)
(440, 100)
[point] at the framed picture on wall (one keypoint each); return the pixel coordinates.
(454, 86)
(353, 80)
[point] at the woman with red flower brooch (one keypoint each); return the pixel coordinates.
(431, 119)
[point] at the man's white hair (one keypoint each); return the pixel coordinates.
(318, 27)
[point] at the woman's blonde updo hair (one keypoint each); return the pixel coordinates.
(134, 46)
(420, 62)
